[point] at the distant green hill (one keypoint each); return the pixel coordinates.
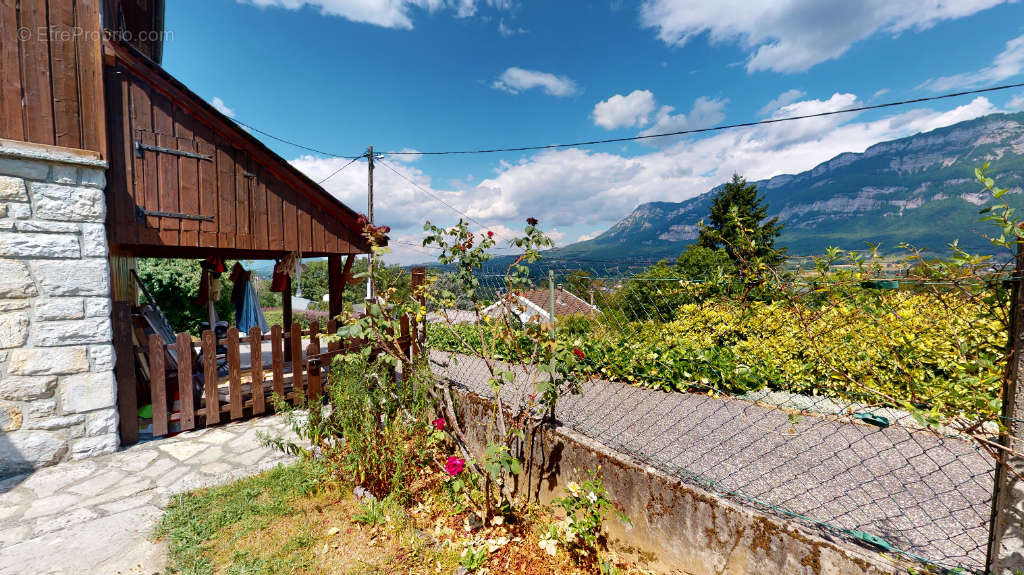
(920, 190)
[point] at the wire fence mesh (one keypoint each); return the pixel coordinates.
(812, 401)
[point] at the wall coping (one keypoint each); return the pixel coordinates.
(18, 150)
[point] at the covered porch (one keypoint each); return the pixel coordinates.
(186, 182)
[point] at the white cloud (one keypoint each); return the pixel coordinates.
(794, 35)
(590, 189)
(632, 110)
(507, 31)
(515, 80)
(386, 13)
(1006, 64)
(706, 112)
(1016, 103)
(222, 107)
(783, 99)
(588, 236)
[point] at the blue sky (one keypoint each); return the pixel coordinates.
(338, 75)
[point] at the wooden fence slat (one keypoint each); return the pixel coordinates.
(332, 328)
(188, 412)
(296, 346)
(314, 333)
(210, 377)
(259, 404)
(127, 395)
(158, 384)
(314, 377)
(234, 374)
(277, 354)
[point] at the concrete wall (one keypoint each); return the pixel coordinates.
(57, 390)
(678, 527)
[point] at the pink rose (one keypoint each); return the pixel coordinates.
(438, 423)
(455, 465)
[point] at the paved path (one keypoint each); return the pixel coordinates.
(924, 493)
(95, 515)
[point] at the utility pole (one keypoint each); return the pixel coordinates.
(369, 215)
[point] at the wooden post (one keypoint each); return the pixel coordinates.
(277, 353)
(158, 384)
(127, 396)
(1006, 532)
(210, 377)
(335, 285)
(295, 349)
(234, 374)
(256, 370)
(185, 397)
(286, 313)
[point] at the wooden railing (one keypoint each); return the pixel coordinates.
(176, 369)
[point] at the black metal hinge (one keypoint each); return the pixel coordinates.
(141, 214)
(140, 148)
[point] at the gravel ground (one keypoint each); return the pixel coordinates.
(924, 493)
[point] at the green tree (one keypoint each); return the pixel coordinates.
(698, 262)
(739, 224)
(174, 285)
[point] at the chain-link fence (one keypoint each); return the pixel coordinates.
(858, 405)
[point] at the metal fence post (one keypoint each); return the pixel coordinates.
(1006, 534)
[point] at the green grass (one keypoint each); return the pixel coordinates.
(193, 519)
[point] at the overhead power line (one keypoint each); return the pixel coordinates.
(713, 128)
(291, 143)
(433, 195)
(352, 161)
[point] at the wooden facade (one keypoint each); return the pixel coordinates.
(185, 181)
(51, 81)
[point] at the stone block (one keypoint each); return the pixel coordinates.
(102, 357)
(85, 277)
(25, 388)
(40, 408)
(54, 309)
(62, 174)
(15, 281)
(19, 211)
(14, 305)
(46, 227)
(94, 240)
(93, 178)
(13, 329)
(101, 423)
(13, 189)
(29, 449)
(97, 307)
(87, 392)
(28, 169)
(52, 361)
(10, 418)
(67, 203)
(39, 245)
(57, 423)
(73, 332)
(93, 446)
(3, 214)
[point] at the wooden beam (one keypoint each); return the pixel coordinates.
(127, 395)
(286, 314)
(335, 285)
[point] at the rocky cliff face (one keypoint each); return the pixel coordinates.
(920, 190)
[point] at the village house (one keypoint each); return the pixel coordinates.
(535, 305)
(105, 158)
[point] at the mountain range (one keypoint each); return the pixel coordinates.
(920, 190)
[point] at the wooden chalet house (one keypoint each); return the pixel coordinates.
(104, 158)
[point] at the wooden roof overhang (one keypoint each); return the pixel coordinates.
(186, 181)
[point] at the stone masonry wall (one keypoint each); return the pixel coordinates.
(57, 389)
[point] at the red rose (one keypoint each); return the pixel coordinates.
(490, 234)
(386, 229)
(438, 423)
(531, 221)
(362, 220)
(579, 352)
(455, 465)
